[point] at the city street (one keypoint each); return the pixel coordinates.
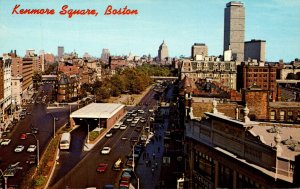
(39, 117)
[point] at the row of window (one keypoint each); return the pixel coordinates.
(285, 115)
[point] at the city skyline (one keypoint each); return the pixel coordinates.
(276, 21)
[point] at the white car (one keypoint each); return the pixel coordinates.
(123, 127)
(129, 119)
(117, 126)
(31, 148)
(108, 135)
(19, 148)
(5, 142)
(105, 150)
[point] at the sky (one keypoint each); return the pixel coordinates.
(180, 23)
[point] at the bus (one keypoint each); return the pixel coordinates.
(65, 141)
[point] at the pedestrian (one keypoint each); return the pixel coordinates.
(147, 163)
(153, 155)
(152, 171)
(156, 164)
(158, 149)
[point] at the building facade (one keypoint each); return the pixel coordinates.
(212, 69)
(60, 51)
(255, 49)
(199, 51)
(27, 73)
(226, 153)
(261, 75)
(163, 52)
(234, 29)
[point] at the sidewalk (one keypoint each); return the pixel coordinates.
(149, 166)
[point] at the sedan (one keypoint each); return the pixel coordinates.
(31, 148)
(108, 135)
(123, 127)
(19, 148)
(5, 142)
(105, 150)
(23, 136)
(101, 167)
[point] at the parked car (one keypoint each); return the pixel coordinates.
(123, 127)
(31, 148)
(23, 136)
(117, 126)
(19, 148)
(5, 142)
(101, 167)
(105, 150)
(108, 135)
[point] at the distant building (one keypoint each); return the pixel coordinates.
(30, 53)
(210, 68)
(27, 73)
(105, 55)
(68, 70)
(16, 90)
(117, 62)
(199, 51)
(234, 29)
(60, 51)
(258, 74)
(67, 88)
(163, 53)
(255, 49)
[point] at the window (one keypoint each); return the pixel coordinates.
(272, 115)
(290, 116)
(281, 115)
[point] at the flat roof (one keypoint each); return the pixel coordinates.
(97, 110)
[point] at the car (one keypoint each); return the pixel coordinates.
(28, 113)
(34, 130)
(108, 135)
(23, 136)
(19, 148)
(141, 111)
(31, 159)
(135, 121)
(117, 126)
(123, 127)
(31, 148)
(143, 120)
(101, 167)
(5, 142)
(132, 125)
(105, 150)
(151, 110)
(134, 139)
(129, 119)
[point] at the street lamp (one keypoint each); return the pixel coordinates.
(5, 179)
(38, 148)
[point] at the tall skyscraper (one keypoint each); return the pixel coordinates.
(255, 49)
(60, 51)
(163, 52)
(105, 55)
(234, 29)
(199, 49)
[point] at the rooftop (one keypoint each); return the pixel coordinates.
(97, 110)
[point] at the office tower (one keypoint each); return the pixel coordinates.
(60, 51)
(199, 51)
(255, 49)
(105, 55)
(234, 29)
(163, 52)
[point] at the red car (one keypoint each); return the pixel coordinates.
(101, 167)
(23, 136)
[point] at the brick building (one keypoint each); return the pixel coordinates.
(117, 62)
(258, 74)
(68, 69)
(223, 72)
(223, 152)
(67, 88)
